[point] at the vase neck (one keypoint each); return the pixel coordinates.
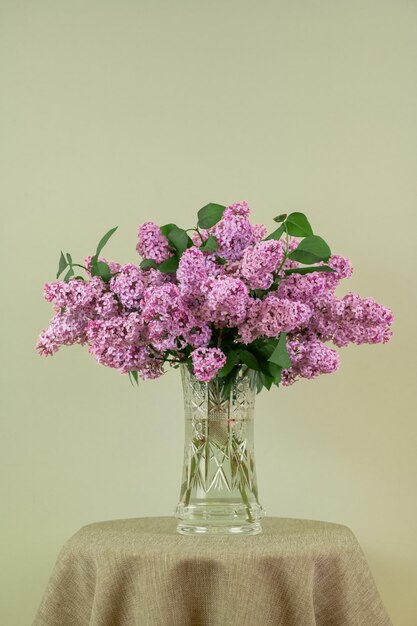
(231, 398)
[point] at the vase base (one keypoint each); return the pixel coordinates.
(184, 528)
(203, 517)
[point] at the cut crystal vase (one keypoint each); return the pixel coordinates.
(219, 493)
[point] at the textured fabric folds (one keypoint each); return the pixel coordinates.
(140, 572)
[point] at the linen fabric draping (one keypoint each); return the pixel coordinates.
(140, 572)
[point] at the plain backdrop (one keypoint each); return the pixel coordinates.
(118, 112)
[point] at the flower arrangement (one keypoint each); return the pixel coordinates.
(216, 296)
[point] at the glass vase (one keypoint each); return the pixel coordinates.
(219, 493)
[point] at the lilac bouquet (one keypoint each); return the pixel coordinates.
(224, 295)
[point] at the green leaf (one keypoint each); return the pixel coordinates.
(259, 384)
(280, 218)
(220, 260)
(280, 354)
(210, 214)
(275, 372)
(167, 229)
(68, 274)
(266, 380)
(69, 258)
(311, 250)
(263, 347)
(228, 383)
(232, 358)
(170, 265)
(249, 359)
(309, 270)
(298, 225)
(101, 269)
(105, 239)
(133, 377)
(210, 244)
(63, 263)
(277, 234)
(179, 239)
(147, 263)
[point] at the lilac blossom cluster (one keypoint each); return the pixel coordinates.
(240, 293)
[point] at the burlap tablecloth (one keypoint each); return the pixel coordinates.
(139, 572)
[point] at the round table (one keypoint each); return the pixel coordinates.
(140, 572)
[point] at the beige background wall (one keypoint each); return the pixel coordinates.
(116, 112)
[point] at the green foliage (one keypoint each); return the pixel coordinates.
(147, 263)
(256, 356)
(103, 270)
(133, 377)
(280, 355)
(105, 239)
(312, 249)
(166, 229)
(280, 218)
(309, 270)
(232, 359)
(249, 359)
(63, 263)
(169, 266)
(69, 274)
(277, 234)
(298, 225)
(264, 347)
(210, 214)
(179, 239)
(210, 245)
(266, 356)
(99, 268)
(266, 380)
(275, 371)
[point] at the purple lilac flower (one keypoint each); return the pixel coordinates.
(308, 288)
(64, 329)
(155, 278)
(122, 329)
(260, 262)
(232, 268)
(120, 343)
(259, 232)
(192, 274)
(342, 266)
(309, 357)
(269, 317)
(198, 335)
(234, 232)
(131, 322)
(279, 314)
(129, 285)
(352, 320)
(249, 328)
(226, 301)
(152, 244)
(152, 368)
(105, 306)
(167, 317)
(311, 288)
(89, 297)
(75, 294)
(125, 358)
(207, 362)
